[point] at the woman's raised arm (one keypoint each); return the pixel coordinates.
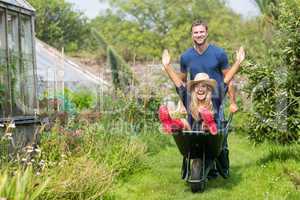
(166, 58)
(240, 56)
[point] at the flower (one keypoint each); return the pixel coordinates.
(8, 134)
(11, 125)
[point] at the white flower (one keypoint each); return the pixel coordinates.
(11, 125)
(29, 149)
(37, 150)
(8, 134)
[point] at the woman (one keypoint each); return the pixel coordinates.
(199, 103)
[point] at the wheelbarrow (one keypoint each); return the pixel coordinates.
(200, 151)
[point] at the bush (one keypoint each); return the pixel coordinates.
(83, 98)
(273, 84)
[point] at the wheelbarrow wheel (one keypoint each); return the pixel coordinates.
(196, 182)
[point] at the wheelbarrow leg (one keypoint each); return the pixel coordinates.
(223, 163)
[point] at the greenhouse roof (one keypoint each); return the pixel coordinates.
(19, 3)
(50, 61)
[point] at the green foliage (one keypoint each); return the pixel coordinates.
(141, 29)
(267, 8)
(116, 149)
(71, 101)
(114, 68)
(4, 153)
(273, 83)
(288, 40)
(122, 74)
(78, 178)
(55, 147)
(138, 110)
(83, 160)
(21, 185)
(83, 99)
(60, 25)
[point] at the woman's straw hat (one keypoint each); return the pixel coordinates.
(201, 77)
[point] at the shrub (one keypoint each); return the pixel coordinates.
(273, 84)
(83, 98)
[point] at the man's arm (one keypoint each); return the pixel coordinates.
(231, 94)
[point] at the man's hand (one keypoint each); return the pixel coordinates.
(233, 108)
(166, 58)
(240, 55)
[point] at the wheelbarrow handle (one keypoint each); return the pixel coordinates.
(229, 121)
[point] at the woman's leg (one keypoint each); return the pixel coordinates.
(208, 120)
(170, 125)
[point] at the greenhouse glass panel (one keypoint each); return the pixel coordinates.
(2, 32)
(5, 106)
(28, 89)
(15, 73)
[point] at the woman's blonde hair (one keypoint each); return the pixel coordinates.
(195, 104)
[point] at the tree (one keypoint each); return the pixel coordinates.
(266, 7)
(122, 74)
(144, 28)
(60, 25)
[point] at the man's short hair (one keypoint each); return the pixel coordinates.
(199, 23)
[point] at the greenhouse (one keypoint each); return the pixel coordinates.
(17, 60)
(18, 93)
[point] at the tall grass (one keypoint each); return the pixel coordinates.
(85, 159)
(78, 178)
(21, 185)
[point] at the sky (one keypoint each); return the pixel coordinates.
(93, 7)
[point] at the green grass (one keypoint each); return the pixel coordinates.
(257, 172)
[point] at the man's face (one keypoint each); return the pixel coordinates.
(199, 34)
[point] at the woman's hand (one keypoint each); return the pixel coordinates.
(240, 55)
(166, 58)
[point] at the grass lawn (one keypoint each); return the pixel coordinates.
(257, 172)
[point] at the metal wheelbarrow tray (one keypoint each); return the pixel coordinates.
(199, 150)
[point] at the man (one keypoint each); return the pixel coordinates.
(212, 60)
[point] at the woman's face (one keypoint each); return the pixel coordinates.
(201, 91)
